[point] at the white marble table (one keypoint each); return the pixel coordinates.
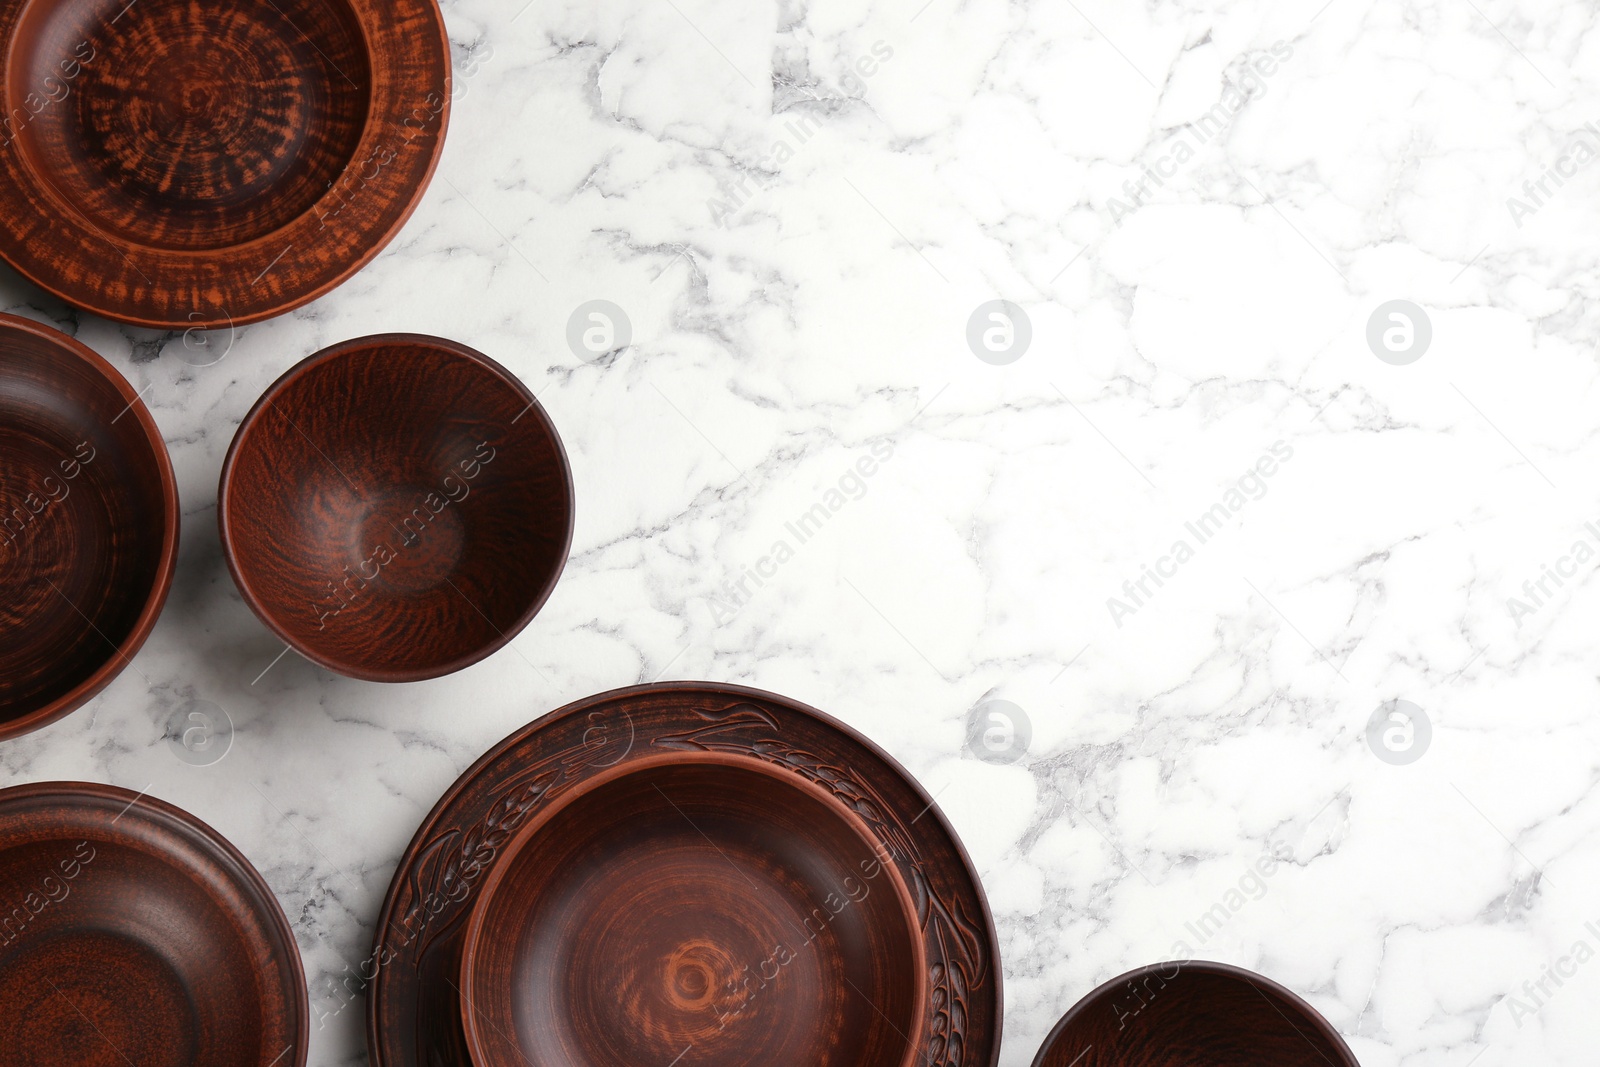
(800, 207)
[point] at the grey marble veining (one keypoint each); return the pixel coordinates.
(799, 208)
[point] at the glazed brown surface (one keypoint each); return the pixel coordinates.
(709, 904)
(1195, 1014)
(396, 507)
(178, 164)
(414, 1001)
(88, 524)
(132, 933)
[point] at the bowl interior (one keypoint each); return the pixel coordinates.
(136, 948)
(182, 125)
(721, 906)
(1183, 1015)
(396, 508)
(83, 522)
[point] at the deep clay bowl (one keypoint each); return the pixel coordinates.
(173, 163)
(131, 933)
(396, 507)
(1193, 1014)
(88, 524)
(694, 901)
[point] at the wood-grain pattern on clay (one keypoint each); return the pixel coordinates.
(88, 524)
(183, 165)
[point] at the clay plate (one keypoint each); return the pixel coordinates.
(603, 758)
(396, 507)
(134, 934)
(696, 900)
(178, 165)
(1184, 1014)
(88, 524)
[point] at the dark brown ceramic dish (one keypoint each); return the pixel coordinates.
(694, 900)
(88, 524)
(131, 933)
(396, 507)
(177, 165)
(1193, 1014)
(616, 748)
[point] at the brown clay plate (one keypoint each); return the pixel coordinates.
(183, 165)
(1185, 1013)
(692, 741)
(88, 524)
(132, 933)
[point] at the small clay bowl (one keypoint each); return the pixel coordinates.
(698, 901)
(1184, 1014)
(179, 165)
(134, 934)
(88, 524)
(396, 507)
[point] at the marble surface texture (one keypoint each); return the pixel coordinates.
(802, 208)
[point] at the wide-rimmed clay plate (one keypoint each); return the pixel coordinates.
(182, 165)
(611, 753)
(134, 934)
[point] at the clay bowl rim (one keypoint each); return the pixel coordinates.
(122, 656)
(206, 838)
(438, 347)
(197, 320)
(478, 913)
(1223, 970)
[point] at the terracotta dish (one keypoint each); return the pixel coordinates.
(134, 934)
(396, 507)
(695, 900)
(88, 524)
(580, 836)
(177, 165)
(1186, 1014)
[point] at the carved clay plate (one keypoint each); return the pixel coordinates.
(413, 1006)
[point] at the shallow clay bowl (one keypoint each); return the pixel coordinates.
(698, 902)
(134, 934)
(1193, 1014)
(396, 507)
(179, 164)
(88, 524)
